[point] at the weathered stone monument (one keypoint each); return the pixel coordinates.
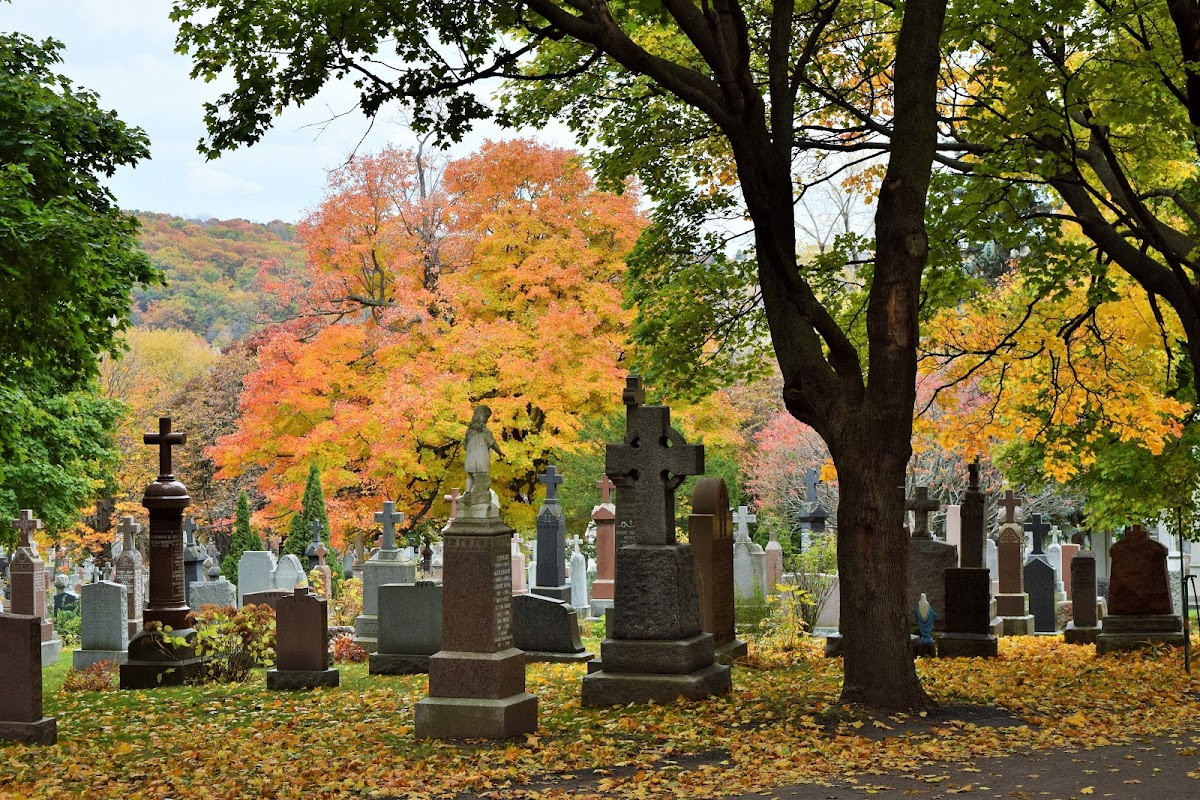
(103, 625)
(302, 643)
(1012, 604)
(1083, 627)
(1140, 610)
(156, 659)
(1040, 579)
(928, 558)
(477, 679)
(972, 514)
(410, 628)
(193, 557)
(130, 572)
(547, 630)
(28, 583)
(710, 533)
(21, 717)
(813, 516)
(386, 566)
(749, 559)
(605, 517)
(579, 578)
(256, 573)
(310, 552)
(656, 649)
(774, 554)
(551, 571)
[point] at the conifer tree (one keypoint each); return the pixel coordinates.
(312, 506)
(243, 538)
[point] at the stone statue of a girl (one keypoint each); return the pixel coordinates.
(479, 499)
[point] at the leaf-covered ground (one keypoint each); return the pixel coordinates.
(781, 726)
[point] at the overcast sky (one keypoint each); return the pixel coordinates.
(123, 51)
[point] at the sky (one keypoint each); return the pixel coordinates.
(123, 50)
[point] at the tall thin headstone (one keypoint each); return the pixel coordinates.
(657, 649)
(1083, 627)
(155, 659)
(1012, 604)
(973, 515)
(21, 717)
(579, 578)
(605, 518)
(710, 533)
(28, 584)
(1040, 579)
(969, 630)
(749, 560)
(130, 573)
(551, 542)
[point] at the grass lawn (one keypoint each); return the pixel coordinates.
(781, 725)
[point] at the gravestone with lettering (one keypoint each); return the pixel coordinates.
(1039, 578)
(1083, 627)
(410, 628)
(289, 573)
(710, 533)
(550, 574)
(656, 649)
(1012, 603)
(21, 718)
(129, 571)
(605, 518)
(386, 566)
(1140, 610)
(928, 558)
(28, 579)
(749, 560)
(477, 679)
(103, 628)
(301, 643)
(154, 658)
(64, 598)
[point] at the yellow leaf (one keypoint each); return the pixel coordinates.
(1088, 790)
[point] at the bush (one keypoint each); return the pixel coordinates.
(814, 575)
(67, 625)
(234, 641)
(347, 605)
(99, 677)
(751, 612)
(345, 649)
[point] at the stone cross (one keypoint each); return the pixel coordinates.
(321, 551)
(552, 479)
(574, 541)
(1010, 504)
(653, 461)
(165, 441)
(921, 505)
(189, 530)
(389, 518)
(605, 486)
(27, 523)
(315, 527)
(453, 497)
(743, 518)
(1038, 529)
(128, 528)
(810, 485)
(633, 397)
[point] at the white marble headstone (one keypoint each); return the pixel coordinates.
(289, 573)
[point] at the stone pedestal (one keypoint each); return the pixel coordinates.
(21, 717)
(968, 615)
(410, 628)
(385, 567)
(1080, 634)
(1132, 631)
(928, 561)
(477, 681)
(657, 651)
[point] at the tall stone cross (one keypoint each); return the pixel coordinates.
(165, 441)
(26, 523)
(605, 486)
(921, 504)
(189, 530)
(1038, 529)
(128, 528)
(390, 518)
(651, 463)
(552, 479)
(453, 498)
(810, 485)
(1010, 504)
(743, 518)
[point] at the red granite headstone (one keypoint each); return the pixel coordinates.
(604, 515)
(21, 665)
(1138, 582)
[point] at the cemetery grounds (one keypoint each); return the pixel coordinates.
(781, 733)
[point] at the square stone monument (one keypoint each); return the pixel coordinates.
(103, 626)
(302, 643)
(21, 717)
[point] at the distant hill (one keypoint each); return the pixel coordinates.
(211, 268)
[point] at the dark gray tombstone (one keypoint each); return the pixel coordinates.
(1039, 585)
(551, 575)
(547, 629)
(973, 512)
(968, 615)
(410, 628)
(1083, 627)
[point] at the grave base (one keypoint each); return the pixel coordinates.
(475, 718)
(599, 608)
(1133, 631)
(51, 650)
(82, 659)
(286, 680)
(731, 651)
(670, 657)
(557, 658)
(1081, 635)
(595, 665)
(44, 731)
(154, 660)
(621, 688)
(1017, 626)
(834, 645)
(966, 645)
(397, 664)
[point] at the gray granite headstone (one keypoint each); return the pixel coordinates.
(1039, 585)
(409, 627)
(255, 570)
(104, 625)
(546, 629)
(219, 592)
(289, 573)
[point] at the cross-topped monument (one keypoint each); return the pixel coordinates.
(605, 486)
(653, 461)
(1037, 529)
(453, 499)
(1010, 504)
(128, 527)
(811, 479)
(743, 518)
(389, 518)
(189, 530)
(552, 479)
(973, 522)
(316, 528)
(922, 505)
(814, 514)
(26, 523)
(165, 440)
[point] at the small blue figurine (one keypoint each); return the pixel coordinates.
(925, 618)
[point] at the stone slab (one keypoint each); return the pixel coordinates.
(1080, 634)
(674, 657)
(545, 625)
(286, 680)
(51, 650)
(213, 593)
(82, 659)
(1134, 631)
(1017, 626)
(731, 652)
(104, 618)
(475, 718)
(1040, 586)
(410, 619)
(397, 664)
(967, 645)
(533, 656)
(606, 688)
(43, 731)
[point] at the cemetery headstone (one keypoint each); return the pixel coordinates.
(547, 630)
(518, 566)
(154, 659)
(1040, 580)
(289, 573)
(1083, 627)
(813, 515)
(21, 717)
(1054, 555)
(1139, 596)
(477, 679)
(269, 598)
(310, 552)
(605, 518)
(973, 514)
(1012, 603)
(1069, 552)
(633, 397)
(64, 598)
(302, 643)
(129, 572)
(410, 628)
(256, 573)
(928, 558)
(991, 559)
(104, 625)
(216, 592)
(969, 629)
(324, 571)
(551, 573)
(954, 527)
(656, 649)
(579, 578)
(710, 533)
(193, 557)
(749, 560)
(27, 575)
(774, 554)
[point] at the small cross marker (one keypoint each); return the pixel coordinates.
(605, 486)
(390, 518)
(1010, 504)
